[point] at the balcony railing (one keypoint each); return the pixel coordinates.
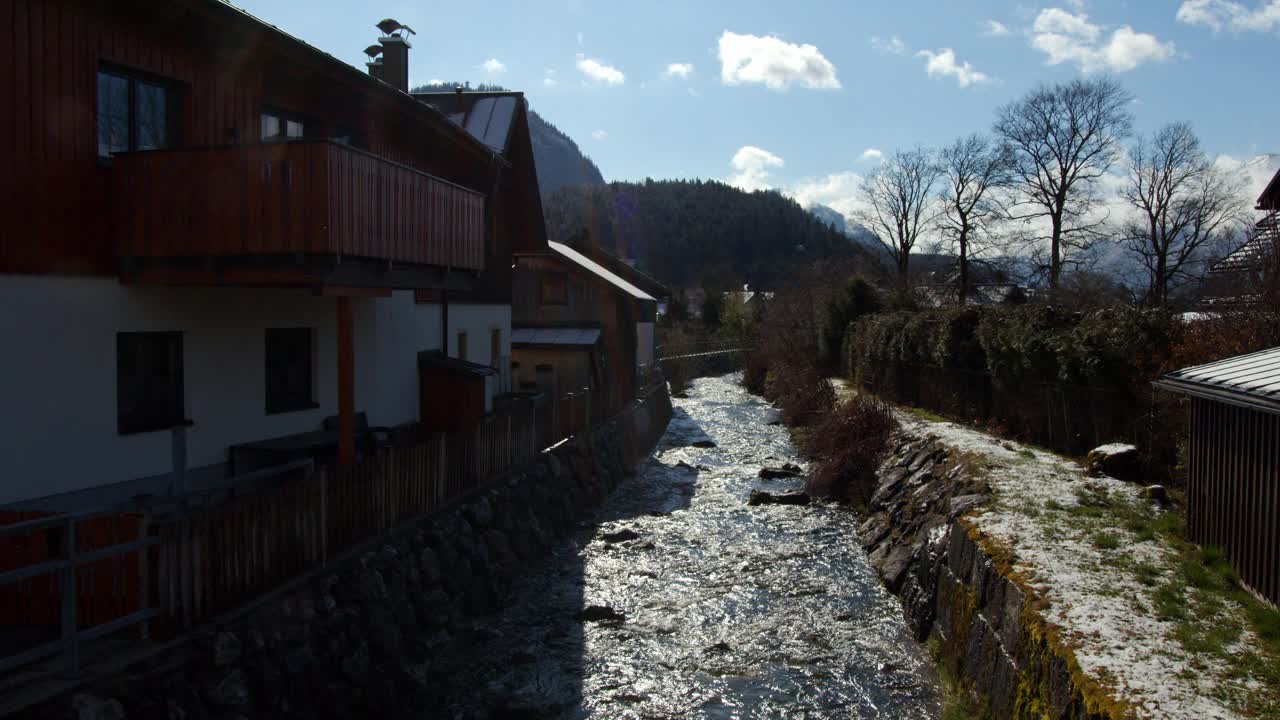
(292, 199)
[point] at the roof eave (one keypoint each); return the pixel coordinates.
(1215, 393)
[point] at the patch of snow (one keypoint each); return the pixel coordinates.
(1103, 611)
(1113, 448)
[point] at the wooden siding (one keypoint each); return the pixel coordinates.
(1233, 489)
(314, 198)
(224, 69)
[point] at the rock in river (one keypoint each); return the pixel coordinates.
(622, 535)
(774, 473)
(761, 497)
(599, 613)
(703, 444)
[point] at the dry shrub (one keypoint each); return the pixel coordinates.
(801, 391)
(755, 373)
(848, 445)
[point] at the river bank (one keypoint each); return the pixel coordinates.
(681, 600)
(1045, 589)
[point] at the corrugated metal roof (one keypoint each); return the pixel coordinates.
(486, 116)
(1252, 380)
(599, 270)
(569, 337)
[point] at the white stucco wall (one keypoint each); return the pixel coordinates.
(479, 320)
(58, 372)
(644, 344)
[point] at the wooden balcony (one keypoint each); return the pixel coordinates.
(314, 211)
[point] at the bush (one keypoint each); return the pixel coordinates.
(755, 372)
(849, 444)
(801, 391)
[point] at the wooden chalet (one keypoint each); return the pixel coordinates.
(219, 235)
(579, 327)
(1233, 464)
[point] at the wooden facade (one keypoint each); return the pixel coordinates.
(1233, 489)
(589, 301)
(222, 69)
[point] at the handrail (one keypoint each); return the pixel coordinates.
(304, 141)
(65, 567)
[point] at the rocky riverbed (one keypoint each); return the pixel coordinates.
(682, 600)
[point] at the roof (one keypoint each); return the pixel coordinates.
(1263, 245)
(560, 337)
(599, 271)
(1251, 380)
(436, 359)
(486, 116)
(343, 66)
(1270, 197)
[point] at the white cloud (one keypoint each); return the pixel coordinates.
(892, 45)
(838, 191)
(600, 72)
(599, 134)
(549, 78)
(872, 154)
(493, 66)
(774, 63)
(579, 39)
(435, 81)
(751, 166)
(1229, 14)
(1067, 37)
(994, 28)
(681, 70)
(943, 64)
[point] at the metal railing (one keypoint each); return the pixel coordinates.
(66, 568)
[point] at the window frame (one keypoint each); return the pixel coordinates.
(137, 422)
(281, 401)
(134, 78)
(284, 117)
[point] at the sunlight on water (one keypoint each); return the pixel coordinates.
(729, 611)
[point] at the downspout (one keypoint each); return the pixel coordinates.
(444, 322)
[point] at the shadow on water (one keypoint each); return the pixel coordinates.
(680, 600)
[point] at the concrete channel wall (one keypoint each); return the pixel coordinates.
(966, 597)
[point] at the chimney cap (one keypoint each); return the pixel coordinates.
(373, 51)
(457, 90)
(389, 26)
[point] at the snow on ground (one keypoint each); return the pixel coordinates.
(1105, 613)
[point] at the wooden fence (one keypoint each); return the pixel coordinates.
(219, 556)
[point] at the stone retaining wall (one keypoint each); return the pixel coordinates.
(989, 633)
(358, 640)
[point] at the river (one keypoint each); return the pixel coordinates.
(726, 610)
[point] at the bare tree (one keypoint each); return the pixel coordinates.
(896, 203)
(1063, 139)
(1184, 206)
(975, 170)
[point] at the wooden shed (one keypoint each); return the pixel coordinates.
(1233, 463)
(452, 393)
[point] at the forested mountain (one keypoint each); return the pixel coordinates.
(560, 162)
(687, 233)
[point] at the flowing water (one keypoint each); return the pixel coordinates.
(727, 611)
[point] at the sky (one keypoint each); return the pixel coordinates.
(807, 95)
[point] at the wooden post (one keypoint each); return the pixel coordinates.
(346, 384)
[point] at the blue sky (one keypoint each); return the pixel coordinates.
(798, 91)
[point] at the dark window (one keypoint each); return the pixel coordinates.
(462, 345)
(555, 289)
(280, 126)
(133, 114)
(495, 348)
(288, 363)
(149, 390)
